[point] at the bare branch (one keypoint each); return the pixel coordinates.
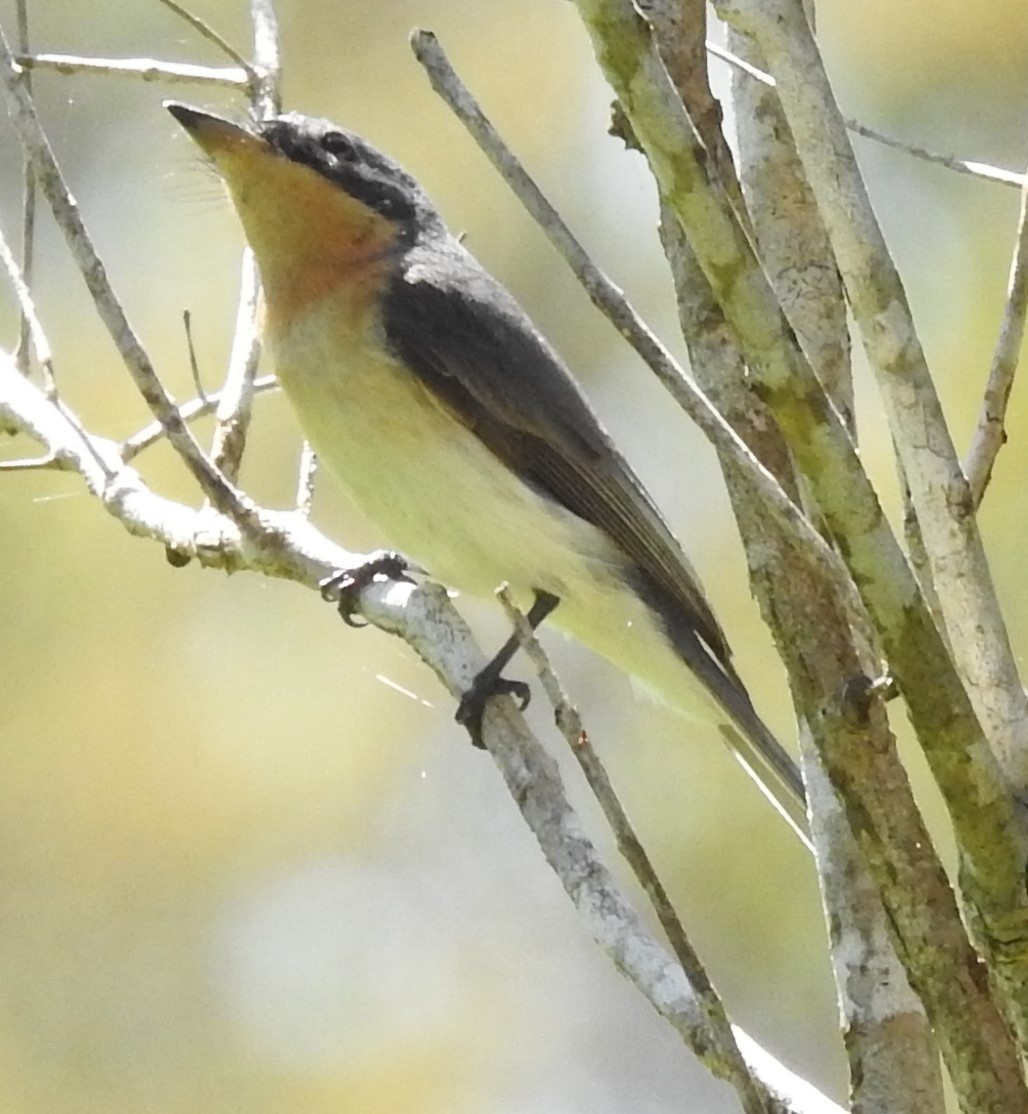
(944, 719)
(46, 463)
(212, 36)
(939, 492)
(267, 59)
(718, 1049)
(188, 411)
(235, 409)
(938, 487)
(236, 403)
(307, 474)
(791, 237)
(951, 162)
(33, 327)
(893, 1056)
(142, 69)
(28, 226)
(894, 1059)
(990, 434)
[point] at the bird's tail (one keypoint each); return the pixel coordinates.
(750, 741)
(770, 766)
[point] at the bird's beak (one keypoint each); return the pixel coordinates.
(217, 137)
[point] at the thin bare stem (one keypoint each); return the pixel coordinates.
(28, 223)
(142, 69)
(951, 162)
(267, 58)
(732, 1065)
(208, 32)
(194, 364)
(188, 411)
(31, 325)
(236, 405)
(235, 409)
(48, 462)
(308, 472)
(990, 434)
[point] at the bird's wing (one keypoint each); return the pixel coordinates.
(476, 350)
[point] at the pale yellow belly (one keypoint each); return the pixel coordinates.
(440, 497)
(428, 483)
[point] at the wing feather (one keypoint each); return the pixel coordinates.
(475, 349)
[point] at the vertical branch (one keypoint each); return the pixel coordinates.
(791, 237)
(892, 1055)
(236, 405)
(939, 490)
(980, 1051)
(28, 209)
(985, 822)
(802, 611)
(990, 435)
(940, 495)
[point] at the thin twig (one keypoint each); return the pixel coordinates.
(266, 94)
(188, 411)
(144, 69)
(31, 325)
(212, 36)
(732, 1065)
(951, 162)
(28, 223)
(305, 481)
(990, 434)
(48, 462)
(194, 364)
(234, 411)
(236, 405)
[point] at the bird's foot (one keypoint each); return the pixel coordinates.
(343, 588)
(489, 681)
(487, 684)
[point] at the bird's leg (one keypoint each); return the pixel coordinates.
(489, 683)
(343, 588)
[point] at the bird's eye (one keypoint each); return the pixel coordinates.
(335, 143)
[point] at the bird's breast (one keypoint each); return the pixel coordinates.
(413, 469)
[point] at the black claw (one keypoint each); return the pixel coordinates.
(486, 685)
(489, 682)
(343, 588)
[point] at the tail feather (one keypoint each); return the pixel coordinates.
(776, 775)
(751, 742)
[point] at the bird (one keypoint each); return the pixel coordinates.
(454, 425)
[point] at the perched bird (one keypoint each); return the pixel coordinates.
(454, 425)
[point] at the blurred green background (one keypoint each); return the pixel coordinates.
(247, 862)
